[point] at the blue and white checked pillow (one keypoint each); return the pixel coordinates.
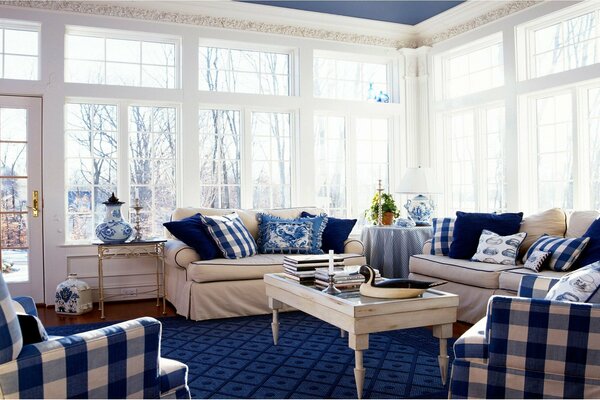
(564, 251)
(11, 338)
(443, 229)
(230, 235)
(582, 286)
(299, 236)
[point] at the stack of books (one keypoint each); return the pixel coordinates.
(343, 280)
(301, 267)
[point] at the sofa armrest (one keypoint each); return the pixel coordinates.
(427, 247)
(118, 361)
(535, 287)
(27, 304)
(546, 336)
(354, 246)
(180, 254)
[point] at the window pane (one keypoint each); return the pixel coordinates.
(152, 164)
(330, 165)
(244, 71)
(271, 168)
(104, 59)
(19, 53)
(220, 175)
(91, 144)
(593, 96)
(350, 80)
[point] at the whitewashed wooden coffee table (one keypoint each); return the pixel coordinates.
(359, 315)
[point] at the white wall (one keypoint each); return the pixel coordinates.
(61, 258)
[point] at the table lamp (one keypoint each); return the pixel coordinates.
(419, 181)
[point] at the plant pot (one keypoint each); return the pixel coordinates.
(388, 218)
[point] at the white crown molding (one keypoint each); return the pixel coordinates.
(226, 14)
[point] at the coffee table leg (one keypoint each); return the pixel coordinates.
(275, 306)
(358, 343)
(442, 332)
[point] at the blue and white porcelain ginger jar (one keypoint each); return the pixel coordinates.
(114, 229)
(420, 209)
(73, 297)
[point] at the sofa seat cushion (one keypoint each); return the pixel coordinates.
(254, 267)
(467, 272)
(510, 280)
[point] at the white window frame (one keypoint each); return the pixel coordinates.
(123, 168)
(22, 26)
(125, 35)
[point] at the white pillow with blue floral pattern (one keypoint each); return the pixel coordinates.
(579, 286)
(496, 249)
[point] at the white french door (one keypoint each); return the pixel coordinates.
(21, 254)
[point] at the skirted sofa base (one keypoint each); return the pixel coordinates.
(223, 288)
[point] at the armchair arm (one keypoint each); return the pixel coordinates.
(180, 254)
(535, 287)
(545, 336)
(27, 304)
(354, 246)
(118, 361)
(426, 247)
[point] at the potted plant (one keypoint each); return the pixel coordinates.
(388, 208)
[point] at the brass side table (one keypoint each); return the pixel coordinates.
(154, 248)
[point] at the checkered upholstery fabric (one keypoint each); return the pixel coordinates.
(443, 229)
(25, 305)
(231, 236)
(535, 287)
(473, 343)
(564, 250)
(173, 377)
(11, 340)
(536, 348)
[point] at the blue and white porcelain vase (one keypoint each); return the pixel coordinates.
(420, 209)
(73, 297)
(114, 229)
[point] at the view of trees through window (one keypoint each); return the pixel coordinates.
(350, 80)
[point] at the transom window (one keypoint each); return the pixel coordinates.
(337, 78)
(472, 69)
(244, 71)
(115, 58)
(19, 51)
(94, 163)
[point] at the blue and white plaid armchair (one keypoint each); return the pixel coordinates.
(119, 361)
(528, 347)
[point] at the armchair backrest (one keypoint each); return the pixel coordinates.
(11, 338)
(535, 287)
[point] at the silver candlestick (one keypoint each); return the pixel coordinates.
(138, 220)
(379, 204)
(331, 289)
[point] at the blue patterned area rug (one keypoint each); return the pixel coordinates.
(236, 358)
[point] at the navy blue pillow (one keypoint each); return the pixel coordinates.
(193, 232)
(591, 253)
(335, 234)
(468, 227)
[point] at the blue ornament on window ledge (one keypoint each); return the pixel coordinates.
(114, 229)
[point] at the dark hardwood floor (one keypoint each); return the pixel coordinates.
(123, 310)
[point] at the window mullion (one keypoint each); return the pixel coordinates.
(123, 163)
(246, 158)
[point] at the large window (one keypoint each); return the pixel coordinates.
(592, 145)
(338, 78)
(93, 163)
(478, 67)
(266, 183)
(19, 51)
(330, 164)
(563, 42)
(115, 58)
(244, 71)
(472, 154)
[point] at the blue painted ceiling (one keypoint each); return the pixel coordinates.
(400, 12)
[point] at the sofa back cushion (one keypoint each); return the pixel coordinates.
(579, 222)
(551, 222)
(248, 217)
(290, 235)
(468, 228)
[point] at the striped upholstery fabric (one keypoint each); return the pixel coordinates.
(443, 229)
(11, 340)
(564, 250)
(536, 348)
(231, 236)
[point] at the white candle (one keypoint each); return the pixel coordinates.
(331, 271)
(137, 202)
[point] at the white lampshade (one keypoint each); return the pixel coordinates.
(418, 181)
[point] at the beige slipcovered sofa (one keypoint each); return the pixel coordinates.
(475, 282)
(222, 288)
